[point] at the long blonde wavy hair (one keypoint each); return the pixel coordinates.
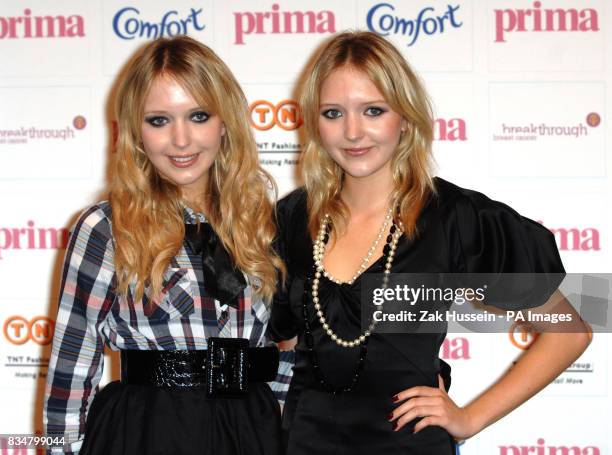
(412, 162)
(148, 225)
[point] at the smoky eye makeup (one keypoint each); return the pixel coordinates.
(156, 121)
(199, 116)
(374, 111)
(370, 111)
(331, 114)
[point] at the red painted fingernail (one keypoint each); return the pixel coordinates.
(390, 416)
(395, 398)
(395, 425)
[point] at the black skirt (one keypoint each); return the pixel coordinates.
(134, 419)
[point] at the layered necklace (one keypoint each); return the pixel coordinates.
(313, 282)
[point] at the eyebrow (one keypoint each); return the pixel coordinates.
(191, 111)
(361, 104)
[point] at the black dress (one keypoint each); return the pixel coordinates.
(141, 419)
(458, 231)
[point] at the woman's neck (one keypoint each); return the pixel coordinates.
(367, 194)
(198, 204)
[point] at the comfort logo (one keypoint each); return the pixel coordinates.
(127, 24)
(544, 20)
(32, 238)
(285, 114)
(453, 129)
(44, 26)
(455, 349)
(19, 330)
(381, 19)
(541, 448)
(282, 22)
(522, 335)
(576, 239)
(24, 134)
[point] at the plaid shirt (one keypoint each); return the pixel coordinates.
(91, 315)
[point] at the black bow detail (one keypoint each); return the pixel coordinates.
(222, 280)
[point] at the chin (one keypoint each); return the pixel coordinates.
(183, 180)
(359, 172)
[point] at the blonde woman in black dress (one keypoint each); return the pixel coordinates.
(370, 204)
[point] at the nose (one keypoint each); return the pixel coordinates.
(180, 135)
(353, 128)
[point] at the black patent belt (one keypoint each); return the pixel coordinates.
(224, 369)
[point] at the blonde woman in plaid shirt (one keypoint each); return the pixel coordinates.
(176, 270)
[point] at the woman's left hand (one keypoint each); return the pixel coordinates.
(436, 408)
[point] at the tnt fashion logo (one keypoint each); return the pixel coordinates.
(26, 334)
(282, 117)
(282, 22)
(128, 24)
(382, 19)
(32, 238)
(25, 134)
(19, 330)
(583, 370)
(285, 114)
(522, 335)
(30, 25)
(543, 448)
(539, 19)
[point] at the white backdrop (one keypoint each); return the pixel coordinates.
(520, 90)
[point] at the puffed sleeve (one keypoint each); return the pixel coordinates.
(76, 363)
(494, 239)
(282, 325)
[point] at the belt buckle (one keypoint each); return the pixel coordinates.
(227, 367)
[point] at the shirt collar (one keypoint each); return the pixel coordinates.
(190, 216)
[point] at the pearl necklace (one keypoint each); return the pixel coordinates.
(366, 260)
(318, 251)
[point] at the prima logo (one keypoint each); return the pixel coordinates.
(382, 20)
(576, 239)
(541, 448)
(127, 24)
(32, 238)
(29, 26)
(453, 129)
(544, 20)
(282, 22)
(455, 349)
